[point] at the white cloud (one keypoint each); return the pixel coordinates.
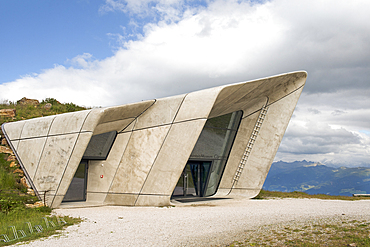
(187, 47)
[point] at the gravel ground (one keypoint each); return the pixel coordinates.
(211, 223)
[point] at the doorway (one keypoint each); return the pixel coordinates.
(193, 180)
(77, 188)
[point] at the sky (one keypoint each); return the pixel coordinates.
(112, 52)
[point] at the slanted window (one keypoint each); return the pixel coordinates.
(203, 172)
(99, 146)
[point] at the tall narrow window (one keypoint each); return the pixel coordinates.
(209, 156)
(77, 188)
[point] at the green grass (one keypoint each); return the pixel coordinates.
(340, 233)
(35, 217)
(31, 111)
(13, 196)
(265, 194)
(13, 211)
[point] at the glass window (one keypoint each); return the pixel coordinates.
(77, 188)
(99, 146)
(211, 152)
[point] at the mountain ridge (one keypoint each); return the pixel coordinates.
(317, 178)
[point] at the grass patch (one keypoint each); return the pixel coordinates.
(13, 210)
(32, 111)
(265, 194)
(13, 195)
(341, 233)
(35, 217)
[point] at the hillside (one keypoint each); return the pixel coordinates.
(317, 178)
(14, 190)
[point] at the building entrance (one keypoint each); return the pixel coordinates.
(193, 179)
(77, 188)
(204, 169)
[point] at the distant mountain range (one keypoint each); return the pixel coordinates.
(317, 178)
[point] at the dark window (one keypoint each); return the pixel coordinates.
(207, 161)
(99, 146)
(77, 188)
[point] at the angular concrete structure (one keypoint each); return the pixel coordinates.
(218, 142)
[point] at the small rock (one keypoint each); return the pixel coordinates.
(4, 142)
(30, 192)
(13, 164)
(24, 182)
(47, 106)
(35, 205)
(18, 171)
(11, 158)
(7, 112)
(6, 150)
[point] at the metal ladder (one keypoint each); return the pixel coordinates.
(252, 139)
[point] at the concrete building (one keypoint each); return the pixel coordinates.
(217, 142)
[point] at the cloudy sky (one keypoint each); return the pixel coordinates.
(110, 52)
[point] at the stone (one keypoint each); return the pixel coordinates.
(36, 205)
(6, 150)
(47, 106)
(13, 164)
(39, 204)
(19, 171)
(7, 112)
(4, 142)
(30, 192)
(25, 101)
(24, 182)
(11, 158)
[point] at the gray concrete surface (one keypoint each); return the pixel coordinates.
(203, 223)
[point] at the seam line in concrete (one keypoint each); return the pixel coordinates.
(69, 159)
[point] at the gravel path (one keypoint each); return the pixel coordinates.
(200, 224)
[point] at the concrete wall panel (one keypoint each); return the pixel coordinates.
(29, 151)
(15, 145)
(275, 87)
(229, 95)
(57, 152)
(37, 127)
(153, 200)
(161, 113)
(95, 197)
(13, 130)
(121, 199)
(112, 126)
(130, 127)
(72, 165)
(116, 113)
(173, 157)
(241, 140)
(251, 93)
(107, 167)
(92, 119)
(68, 123)
(197, 104)
(267, 143)
(138, 159)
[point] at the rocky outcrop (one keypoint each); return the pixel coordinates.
(25, 101)
(7, 112)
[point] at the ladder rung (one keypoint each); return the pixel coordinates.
(250, 144)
